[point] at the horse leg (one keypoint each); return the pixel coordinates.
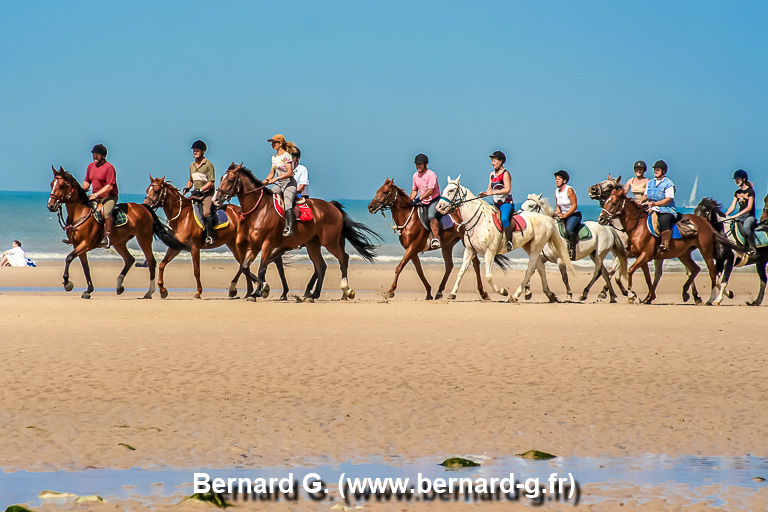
(311, 284)
(195, 252)
(725, 277)
(640, 262)
(68, 285)
(712, 277)
(541, 269)
(233, 284)
(316, 255)
(87, 272)
(563, 274)
(658, 269)
(169, 255)
(478, 276)
(248, 257)
(469, 253)
(145, 243)
(489, 254)
(420, 272)
(408, 256)
(599, 271)
(128, 260)
(534, 251)
(760, 269)
(283, 281)
(448, 259)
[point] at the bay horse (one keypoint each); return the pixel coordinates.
(726, 258)
(181, 218)
(85, 232)
(634, 220)
(604, 239)
(481, 235)
(414, 237)
(262, 232)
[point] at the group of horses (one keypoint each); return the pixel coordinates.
(255, 228)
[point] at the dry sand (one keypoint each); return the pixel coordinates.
(219, 382)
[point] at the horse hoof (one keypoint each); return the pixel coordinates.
(584, 297)
(529, 296)
(601, 295)
(232, 291)
(439, 296)
(429, 297)
(453, 297)
(283, 298)
(613, 300)
(265, 291)
(697, 300)
(553, 298)
(483, 296)
(389, 295)
(147, 295)
(120, 290)
(630, 300)
(686, 296)
(351, 294)
(85, 295)
(196, 296)
(68, 286)
(512, 299)
(729, 294)
(164, 294)
(251, 298)
(504, 292)
(753, 303)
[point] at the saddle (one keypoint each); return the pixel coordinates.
(446, 222)
(761, 238)
(119, 213)
(584, 232)
(222, 221)
(516, 222)
(305, 212)
(681, 228)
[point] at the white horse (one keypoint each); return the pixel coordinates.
(482, 236)
(604, 239)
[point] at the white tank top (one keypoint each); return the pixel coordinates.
(562, 199)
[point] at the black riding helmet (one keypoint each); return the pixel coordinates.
(661, 164)
(498, 155)
(198, 144)
(563, 174)
(741, 173)
(100, 149)
(640, 165)
(421, 158)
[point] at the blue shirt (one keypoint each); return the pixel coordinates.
(658, 191)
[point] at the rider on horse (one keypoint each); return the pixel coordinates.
(281, 174)
(301, 173)
(638, 182)
(500, 187)
(426, 192)
(101, 174)
(660, 198)
(568, 210)
(202, 176)
(744, 196)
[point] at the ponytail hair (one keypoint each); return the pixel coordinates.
(750, 184)
(290, 147)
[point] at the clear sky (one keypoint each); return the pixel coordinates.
(364, 86)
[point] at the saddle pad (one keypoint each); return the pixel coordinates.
(517, 222)
(118, 213)
(305, 212)
(446, 222)
(761, 238)
(222, 220)
(675, 232)
(584, 232)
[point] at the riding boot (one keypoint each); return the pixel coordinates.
(666, 236)
(752, 244)
(290, 221)
(208, 229)
(109, 224)
(573, 240)
(434, 226)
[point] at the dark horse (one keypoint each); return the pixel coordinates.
(643, 245)
(262, 232)
(725, 257)
(85, 232)
(181, 218)
(414, 237)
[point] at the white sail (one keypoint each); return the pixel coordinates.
(692, 199)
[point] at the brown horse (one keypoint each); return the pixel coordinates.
(181, 218)
(414, 237)
(85, 232)
(643, 245)
(262, 232)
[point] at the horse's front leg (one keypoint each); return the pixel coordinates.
(658, 269)
(128, 261)
(68, 285)
(196, 270)
(489, 255)
(87, 272)
(169, 255)
(534, 251)
(410, 251)
(478, 276)
(447, 251)
(760, 269)
(542, 270)
(469, 253)
(248, 257)
(642, 263)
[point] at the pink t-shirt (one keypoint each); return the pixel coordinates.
(101, 176)
(424, 182)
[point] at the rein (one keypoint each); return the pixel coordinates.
(242, 215)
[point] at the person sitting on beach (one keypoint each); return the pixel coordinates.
(281, 174)
(745, 198)
(660, 197)
(202, 176)
(14, 257)
(500, 187)
(102, 175)
(568, 210)
(426, 193)
(638, 182)
(302, 175)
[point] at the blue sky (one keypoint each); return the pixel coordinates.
(364, 86)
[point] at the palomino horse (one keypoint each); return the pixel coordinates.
(604, 239)
(85, 232)
(480, 235)
(181, 218)
(634, 220)
(262, 231)
(414, 237)
(725, 258)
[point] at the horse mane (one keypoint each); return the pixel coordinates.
(711, 203)
(545, 206)
(81, 193)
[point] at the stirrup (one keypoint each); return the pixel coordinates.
(209, 240)
(434, 244)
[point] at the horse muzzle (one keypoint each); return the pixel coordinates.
(53, 205)
(594, 192)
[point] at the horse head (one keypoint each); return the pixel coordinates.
(537, 204)
(229, 184)
(710, 210)
(601, 191)
(157, 192)
(64, 189)
(614, 205)
(385, 198)
(453, 196)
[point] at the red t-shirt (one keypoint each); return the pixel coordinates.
(101, 176)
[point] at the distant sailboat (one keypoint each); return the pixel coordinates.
(692, 200)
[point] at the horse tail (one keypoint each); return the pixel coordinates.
(559, 248)
(358, 234)
(164, 233)
(502, 260)
(620, 255)
(726, 242)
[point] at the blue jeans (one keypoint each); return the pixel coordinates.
(748, 225)
(432, 212)
(505, 212)
(572, 222)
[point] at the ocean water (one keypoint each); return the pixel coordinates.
(24, 216)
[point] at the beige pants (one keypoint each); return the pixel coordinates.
(109, 205)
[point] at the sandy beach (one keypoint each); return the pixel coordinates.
(221, 383)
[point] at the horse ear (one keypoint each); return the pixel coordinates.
(618, 180)
(609, 175)
(458, 178)
(163, 178)
(150, 177)
(54, 170)
(61, 169)
(539, 198)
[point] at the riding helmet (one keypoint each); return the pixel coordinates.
(563, 174)
(661, 164)
(198, 144)
(498, 155)
(421, 158)
(741, 173)
(640, 165)
(100, 149)
(296, 152)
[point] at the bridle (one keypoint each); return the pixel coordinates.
(459, 198)
(386, 204)
(161, 201)
(58, 200)
(233, 192)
